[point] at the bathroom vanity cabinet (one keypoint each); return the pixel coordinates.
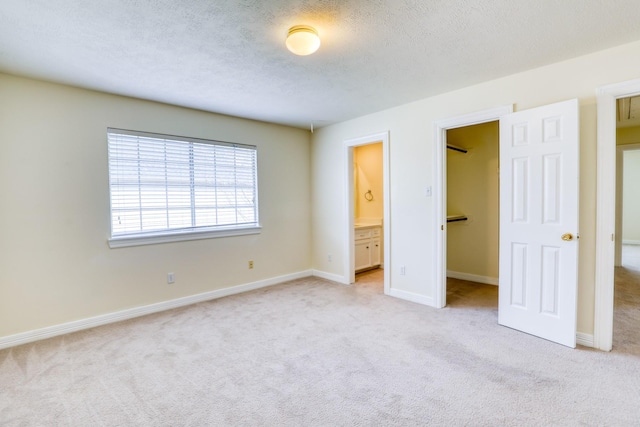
(367, 247)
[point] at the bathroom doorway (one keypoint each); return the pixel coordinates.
(372, 154)
(368, 208)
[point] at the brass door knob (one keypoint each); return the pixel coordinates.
(567, 237)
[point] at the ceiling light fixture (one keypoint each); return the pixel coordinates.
(303, 40)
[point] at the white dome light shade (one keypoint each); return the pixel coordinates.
(303, 40)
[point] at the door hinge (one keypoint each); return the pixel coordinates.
(442, 227)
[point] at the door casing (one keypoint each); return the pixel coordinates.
(606, 208)
(440, 189)
(348, 244)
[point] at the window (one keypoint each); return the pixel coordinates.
(168, 188)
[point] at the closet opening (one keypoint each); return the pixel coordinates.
(472, 207)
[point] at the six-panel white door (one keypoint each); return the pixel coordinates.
(539, 165)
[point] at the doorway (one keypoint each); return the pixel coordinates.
(368, 215)
(472, 211)
(379, 194)
(538, 249)
(627, 271)
(606, 208)
(440, 191)
(627, 248)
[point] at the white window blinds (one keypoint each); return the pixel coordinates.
(162, 184)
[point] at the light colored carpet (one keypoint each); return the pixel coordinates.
(315, 353)
(626, 321)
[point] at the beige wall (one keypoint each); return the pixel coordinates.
(55, 264)
(631, 197)
(54, 260)
(412, 221)
(472, 190)
(367, 162)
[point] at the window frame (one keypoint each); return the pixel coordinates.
(185, 233)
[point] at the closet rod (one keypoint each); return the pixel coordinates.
(456, 218)
(459, 149)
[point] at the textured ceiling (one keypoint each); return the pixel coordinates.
(228, 56)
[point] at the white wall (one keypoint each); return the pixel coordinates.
(55, 264)
(412, 221)
(631, 197)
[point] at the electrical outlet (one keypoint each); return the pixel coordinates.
(250, 264)
(171, 278)
(402, 270)
(329, 258)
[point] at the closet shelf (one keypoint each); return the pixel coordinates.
(456, 218)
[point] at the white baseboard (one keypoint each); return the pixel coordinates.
(473, 278)
(631, 242)
(331, 276)
(584, 339)
(410, 296)
(92, 322)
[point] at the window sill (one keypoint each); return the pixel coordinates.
(140, 240)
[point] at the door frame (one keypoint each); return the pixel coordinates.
(348, 243)
(606, 208)
(440, 218)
